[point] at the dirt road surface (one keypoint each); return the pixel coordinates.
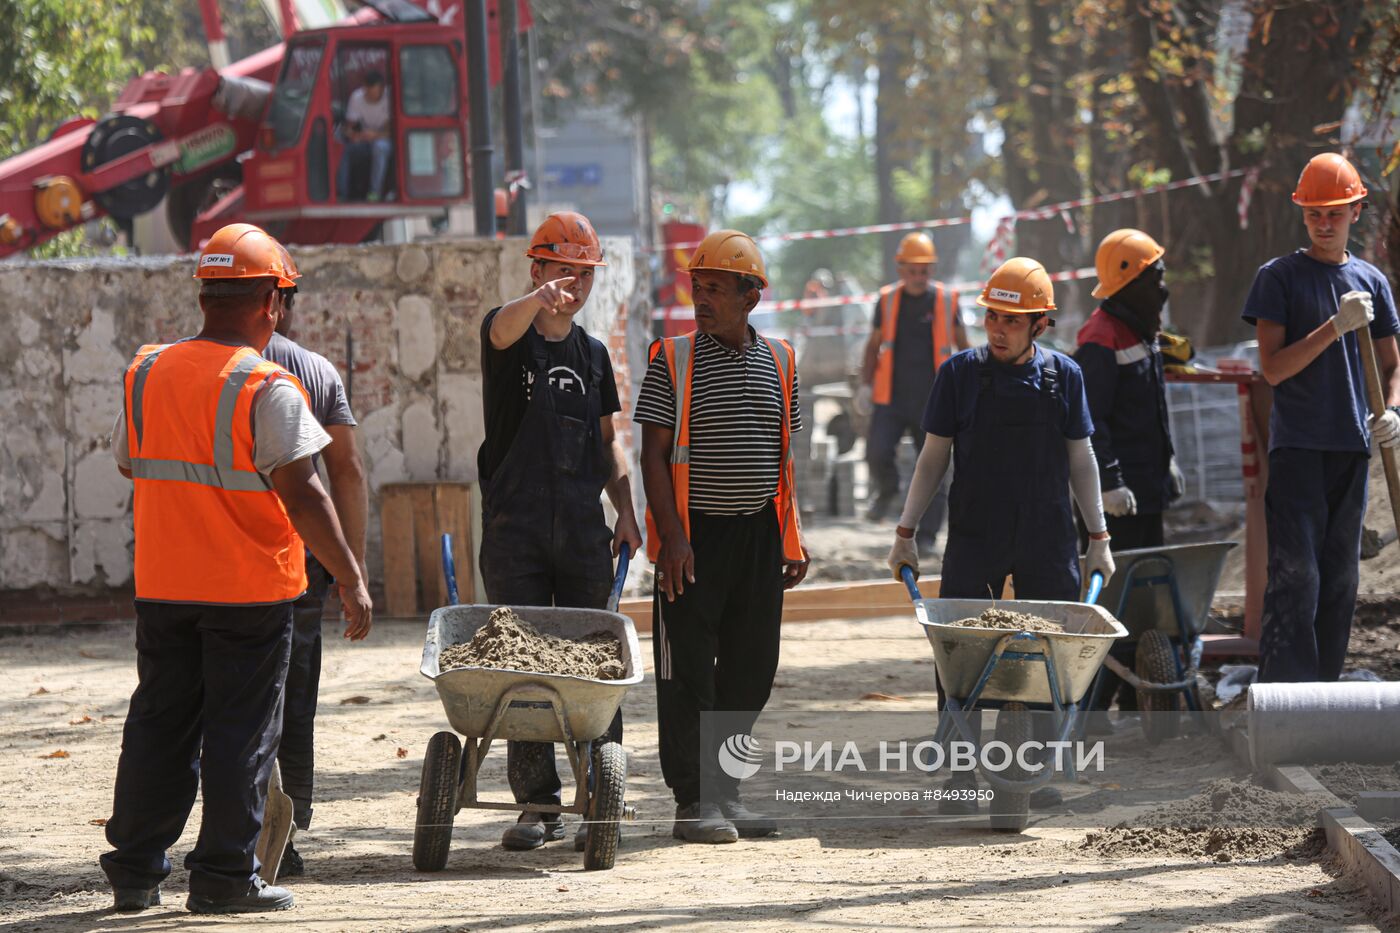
(67, 692)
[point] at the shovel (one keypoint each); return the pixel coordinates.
(277, 827)
(1376, 395)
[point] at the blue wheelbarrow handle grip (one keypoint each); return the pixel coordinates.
(1095, 587)
(449, 569)
(906, 573)
(624, 556)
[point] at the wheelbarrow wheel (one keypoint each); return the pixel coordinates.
(1156, 663)
(1011, 810)
(605, 806)
(437, 802)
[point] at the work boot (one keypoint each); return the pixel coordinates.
(259, 897)
(703, 822)
(291, 866)
(959, 796)
(1046, 798)
(750, 825)
(879, 508)
(132, 899)
(533, 830)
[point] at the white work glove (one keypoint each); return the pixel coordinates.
(1385, 429)
(1178, 482)
(1354, 313)
(865, 401)
(1119, 502)
(903, 553)
(1099, 560)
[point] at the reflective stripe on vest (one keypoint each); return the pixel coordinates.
(209, 527)
(942, 333)
(680, 362)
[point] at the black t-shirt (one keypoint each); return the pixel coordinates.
(913, 352)
(507, 376)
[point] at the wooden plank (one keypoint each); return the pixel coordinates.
(1366, 854)
(396, 531)
(432, 589)
(454, 512)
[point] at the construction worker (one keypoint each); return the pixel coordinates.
(220, 523)
(550, 451)
(1014, 419)
(1307, 308)
(1123, 378)
(718, 407)
(350, 494)
(916, 328)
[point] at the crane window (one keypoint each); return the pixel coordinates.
(429, 81)
(292, 96)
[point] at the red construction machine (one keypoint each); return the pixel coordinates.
(263, 139)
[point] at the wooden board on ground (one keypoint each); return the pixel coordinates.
(413, 518)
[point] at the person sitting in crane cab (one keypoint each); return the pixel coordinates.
(366, 135)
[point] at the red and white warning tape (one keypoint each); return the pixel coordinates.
(687, 313)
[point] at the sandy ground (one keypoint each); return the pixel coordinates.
(68, 691)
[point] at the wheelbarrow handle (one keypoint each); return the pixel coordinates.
(906, 573)
(624, 557)
(449, 569)
(1095, 587)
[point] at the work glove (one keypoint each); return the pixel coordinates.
(1119, 502)
(1354, 313)
(1099, 560)
(1178, 482)
(903, 553)
(1385, 429)
(865, 401)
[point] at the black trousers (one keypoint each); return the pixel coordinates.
(887, 428)
(208, 708)
(716, 646)
(297, 753)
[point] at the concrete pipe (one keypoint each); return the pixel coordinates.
(1314, 723)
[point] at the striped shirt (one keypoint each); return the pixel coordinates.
(735, 423)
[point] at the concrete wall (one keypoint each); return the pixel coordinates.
(413, 311)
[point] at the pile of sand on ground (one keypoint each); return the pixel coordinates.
(508, 643)
(1349, 780)
(1228, 821)
(1010, 621)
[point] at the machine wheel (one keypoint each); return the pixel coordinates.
(605, 806)
(841, 428)
(1011, 811)
(1156, 663)
(117, 135)
(187, 201)
(437, 802)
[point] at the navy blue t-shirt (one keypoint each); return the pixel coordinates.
(953, 402)
(1324, 406)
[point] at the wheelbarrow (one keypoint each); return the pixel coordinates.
(1014, 669)
(485, 705)
(1163, 596)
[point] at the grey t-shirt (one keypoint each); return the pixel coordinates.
(317, 375)
(284, 429)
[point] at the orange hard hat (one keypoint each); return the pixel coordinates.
(916, 247)
(566, 236)
(245, 251)
(1122, 256)
(1327, 180)
(1019, 286)
(729, 251)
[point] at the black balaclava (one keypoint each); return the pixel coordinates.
(1139, 303)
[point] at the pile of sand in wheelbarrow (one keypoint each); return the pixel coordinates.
(1010, 621)
(508, 643)
(1228, 821)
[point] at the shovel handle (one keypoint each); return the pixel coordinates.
(1376, 396)
(1095, 587)
(449, 569)
(906, 573)
(624, 557)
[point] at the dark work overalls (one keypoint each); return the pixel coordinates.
(545, 540)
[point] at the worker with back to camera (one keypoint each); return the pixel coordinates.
(296, 754)
(219, 444)
(916, 328)
(550, 452)
(1306, 307)
(718, 407)
(1014, 420)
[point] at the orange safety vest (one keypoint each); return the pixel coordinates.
(882, 393)
(680, 360)
(209, 527)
